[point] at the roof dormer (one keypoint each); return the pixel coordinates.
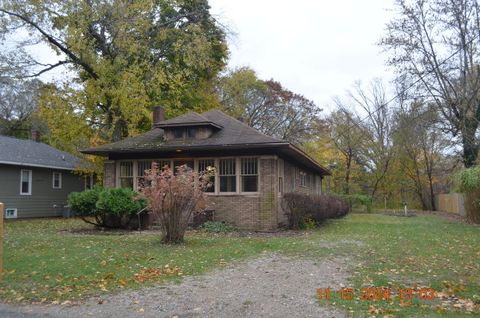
(188, 126)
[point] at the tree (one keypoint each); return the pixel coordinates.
(375, 129)
(124, 57)
(18, 100)
(268, 106)
(420, 146)
(347, 137)
(434, 47)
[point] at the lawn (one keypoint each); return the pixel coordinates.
(49, 261)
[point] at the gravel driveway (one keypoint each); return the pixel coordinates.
(269, 286)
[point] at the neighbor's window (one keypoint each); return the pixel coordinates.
(249, 175)
(126, 174)
(89, 181)
(11, 213)
(57, 180)
(228, 177)
(26, 182)
(203, 165)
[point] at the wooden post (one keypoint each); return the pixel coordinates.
(2, 214)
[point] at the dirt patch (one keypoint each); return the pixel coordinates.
(269, 286)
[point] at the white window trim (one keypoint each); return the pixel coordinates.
(217, 176)
(195, 162)
(239, 175)
(29, 182)
(59, 180)
(14, 216)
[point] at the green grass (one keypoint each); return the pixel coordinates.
(45, 262)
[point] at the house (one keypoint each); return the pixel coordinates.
(252, 170)
(35, 179)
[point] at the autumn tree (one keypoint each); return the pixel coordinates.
(420, 147)
(433, 46)
(268, 106)
(347, 136)
(123, 58)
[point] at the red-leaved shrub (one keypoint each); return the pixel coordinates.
(174, 197)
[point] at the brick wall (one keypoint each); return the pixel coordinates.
(240, 210)
(268, 215)
(109, 174)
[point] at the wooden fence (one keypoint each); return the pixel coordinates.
(452, 202)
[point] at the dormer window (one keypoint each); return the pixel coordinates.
(191, 132)
(185, 133)
(178, 133)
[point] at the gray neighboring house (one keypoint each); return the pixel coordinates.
(35, 179)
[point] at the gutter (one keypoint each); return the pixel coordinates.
(35, 165)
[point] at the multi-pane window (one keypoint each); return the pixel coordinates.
(57, 180)
(303, 178)
(191, 132)
(187, 163)
(126, 174)
(26, 182)
(249, 175)
(163, 163)
(142, 166)
(204, 165)
(227, 175)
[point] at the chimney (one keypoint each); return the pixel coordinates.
(158, 115)
(35, 135)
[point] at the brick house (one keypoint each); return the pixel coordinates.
(252, 170)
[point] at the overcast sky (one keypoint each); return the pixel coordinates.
(316, 48)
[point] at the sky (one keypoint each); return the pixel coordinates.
(317, 48)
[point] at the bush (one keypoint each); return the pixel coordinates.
(119, 202)
(468, 182)
(111, 208)
(301, 208)
(217, 227)
(84, 203)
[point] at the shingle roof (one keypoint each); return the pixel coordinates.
(35, 154)
(188, 119)
(233, 135)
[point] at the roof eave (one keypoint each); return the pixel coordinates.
(25, 164)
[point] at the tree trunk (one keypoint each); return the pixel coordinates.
(470, 146)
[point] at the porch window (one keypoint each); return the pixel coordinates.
(25, 182)
(203, 165)
(126, 174)
(187, 163)
(163, 163)
(142, 166)
(57, 180)
(227, 174)
(249, 175)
